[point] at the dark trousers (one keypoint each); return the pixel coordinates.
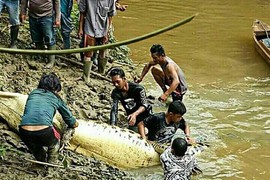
(37, 140)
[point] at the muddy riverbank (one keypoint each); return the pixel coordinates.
(21, 73)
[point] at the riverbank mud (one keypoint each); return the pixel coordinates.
(21, 73)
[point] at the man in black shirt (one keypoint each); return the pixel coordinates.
(131, 95)
(162, 126)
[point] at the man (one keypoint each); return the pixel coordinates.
(162, 126)
(95, 20)
(43, 16)
(132, 96)
(119, 7)
(170, 74)
(13, 11)
(66, 21)
(36, 128)
(177, 162)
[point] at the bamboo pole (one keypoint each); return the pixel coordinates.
(107, 46)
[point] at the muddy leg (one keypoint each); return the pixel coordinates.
(53, 153)
(51, 58)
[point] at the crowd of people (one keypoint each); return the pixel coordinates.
(159, 127)
(46, 15)
(37, 130)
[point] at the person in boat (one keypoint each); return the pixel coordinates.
(132, 97)
(94, 23)
(162, 126)
(170, 74)
(36, 128)
(177, 163)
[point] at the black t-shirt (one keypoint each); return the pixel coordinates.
(132, 100)
(159, 130)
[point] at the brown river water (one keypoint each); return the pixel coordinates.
(229, 83)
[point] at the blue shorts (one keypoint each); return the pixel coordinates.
(42, 30)
(13, 10)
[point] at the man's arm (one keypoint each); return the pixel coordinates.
(66, 114)
(141, 129)
(132, 117)
(81, 22)
(110, 22)
(57, 12)
(83, 10)
(114, 112)
(111, 13)
(173, 76)
(145, 71)
(187, 130)
(24, 5)
(106, 37)
(143, 106)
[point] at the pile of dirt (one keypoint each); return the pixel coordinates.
(21, 74)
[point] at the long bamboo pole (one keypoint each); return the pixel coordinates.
(107, 46)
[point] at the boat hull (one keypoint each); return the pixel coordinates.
(261, 31)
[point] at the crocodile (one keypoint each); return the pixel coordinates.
(116, 146)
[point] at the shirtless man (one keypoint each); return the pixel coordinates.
(170, 74)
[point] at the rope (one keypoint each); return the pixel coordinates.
(55, 165)
(264, 29)
(107, 46)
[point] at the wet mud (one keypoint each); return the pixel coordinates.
(21, 73)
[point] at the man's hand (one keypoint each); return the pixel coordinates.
(137, 79)
(106, 39)
(22, 18)
(132, 119)
(76, 124)
(67, 137)
(57, 24)
(80, 33)
(163, 97)
(121, 7)
(190, 140)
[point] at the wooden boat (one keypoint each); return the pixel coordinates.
(261, 37)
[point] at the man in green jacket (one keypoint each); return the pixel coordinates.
(36, 128)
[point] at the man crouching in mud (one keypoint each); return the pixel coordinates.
(133, 98)
(36, 129)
